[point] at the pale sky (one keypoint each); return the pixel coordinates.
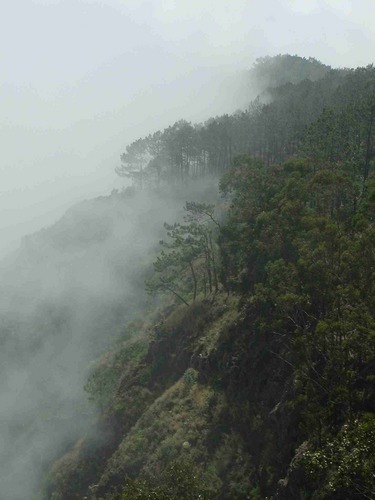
(81, 78)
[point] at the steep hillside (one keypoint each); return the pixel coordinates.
(261, 387)
(270, 128)
(247, 369)
(204, 392)
(65, 296)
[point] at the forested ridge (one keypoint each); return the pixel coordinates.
(293, 93)
(249, 373)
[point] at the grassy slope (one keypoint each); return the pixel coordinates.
(201, 384)
(195, 394)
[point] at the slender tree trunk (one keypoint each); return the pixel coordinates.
(208, 262)
(369, 145)
(194, 280)
(204, 285)
(177, 295)
(214, 270)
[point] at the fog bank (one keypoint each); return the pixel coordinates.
(82, 79)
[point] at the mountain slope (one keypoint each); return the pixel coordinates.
(263, 389)
(255, 359)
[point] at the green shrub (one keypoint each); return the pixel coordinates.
(345, 465)
(181, 481)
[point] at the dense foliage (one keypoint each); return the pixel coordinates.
(292, 93)
(260, 366)
(191, 252)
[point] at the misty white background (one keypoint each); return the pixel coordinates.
(80, 79)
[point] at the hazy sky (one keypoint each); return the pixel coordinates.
(82, 78)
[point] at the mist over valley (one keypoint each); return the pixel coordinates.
(186, 268)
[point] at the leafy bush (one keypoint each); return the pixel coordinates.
(181, 481)
(345, 465)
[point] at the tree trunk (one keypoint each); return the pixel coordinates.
(194, 281)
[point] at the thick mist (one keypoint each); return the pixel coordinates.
(64, 297)
(56, 167)
(81, 80)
